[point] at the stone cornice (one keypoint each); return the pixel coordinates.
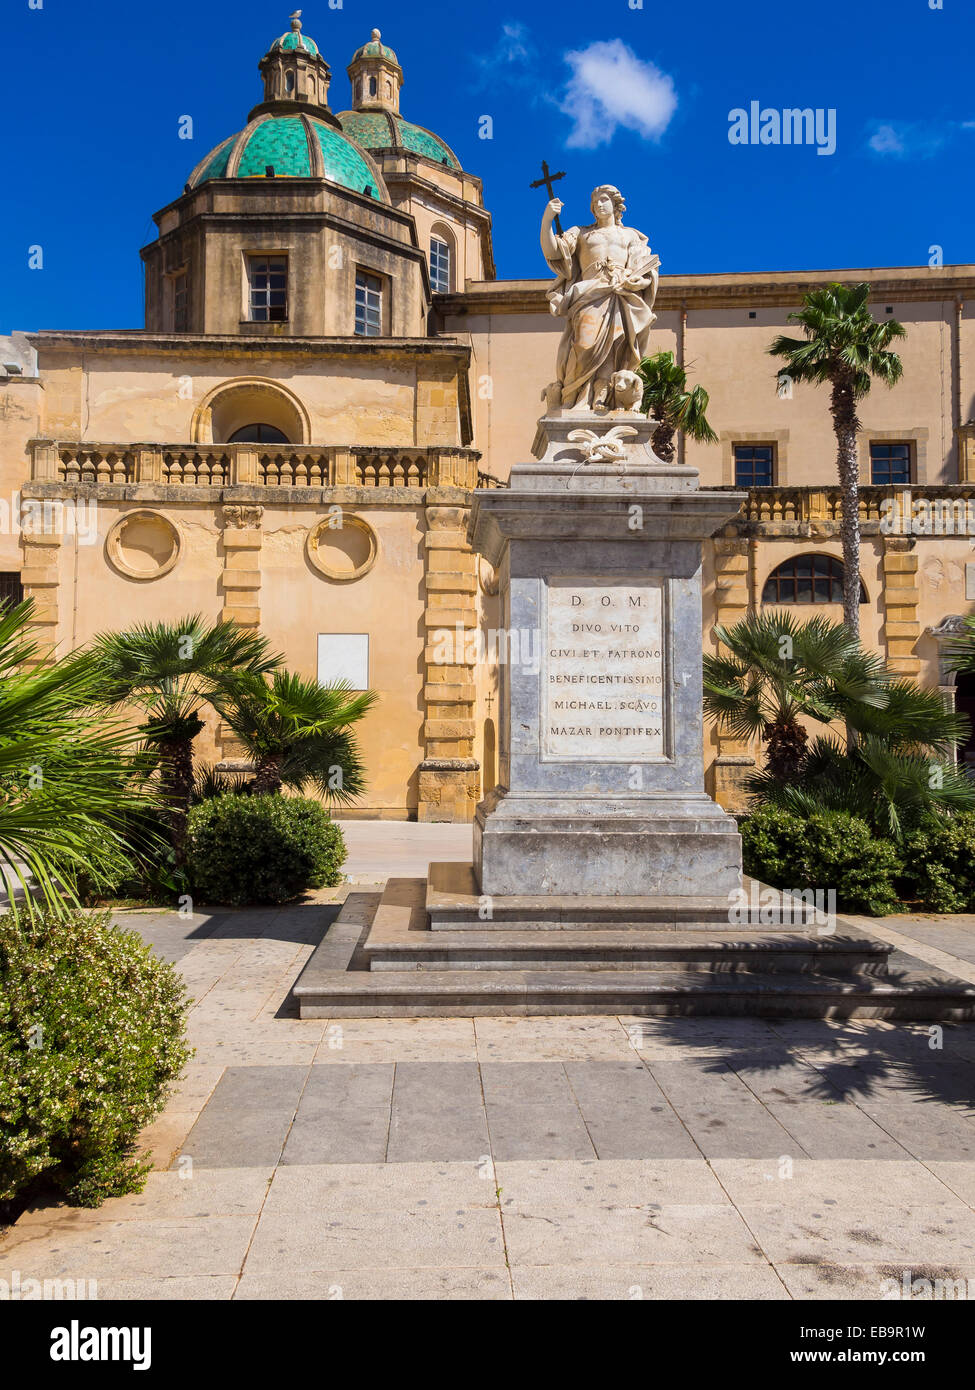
(744, 289)
(208, 345)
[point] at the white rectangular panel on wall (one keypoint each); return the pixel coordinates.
(344, 656)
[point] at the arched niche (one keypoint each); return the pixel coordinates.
(247, 401)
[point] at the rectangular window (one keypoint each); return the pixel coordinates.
(268, 276)
(890, 463)
(368, 305)
(439, 266)
(754, 465)
(344, 656)
(181, 302)
(11, 588)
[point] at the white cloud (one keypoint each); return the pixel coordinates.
(611, 87)
(885, 140)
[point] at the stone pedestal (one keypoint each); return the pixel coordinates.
(597, 545)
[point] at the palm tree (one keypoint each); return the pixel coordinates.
(667, 400)
(297, 732)
(843, 346)
(72, 783)
(780, 669)
(171, 672)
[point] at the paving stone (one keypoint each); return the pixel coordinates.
(593, 1183)
(206, 1288)
(835, 1129)
(105, 1250)
(925, 1129)
(896, 1184)
(312, 1241)
(544, 1039)
(246, 1120)
(741, 1128)
(619, 1282)
(438, 1113)
(923, 1282)
(681, 1235)
(343, 1116)
(398, 1040)
(166, 1196)
(800, 1231)
(395, 1285)
(388, 1187)
(626, 1113)
(532, 1112)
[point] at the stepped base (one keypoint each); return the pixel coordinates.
(455, 903)
(415, 972)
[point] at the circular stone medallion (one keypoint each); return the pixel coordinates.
(343, 547)
(143, 545)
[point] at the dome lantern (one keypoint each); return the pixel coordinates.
(376, 77)
(296, 76)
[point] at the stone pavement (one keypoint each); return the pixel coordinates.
(528, 1158)
(381, 849)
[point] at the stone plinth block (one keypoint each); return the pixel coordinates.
(600, 767)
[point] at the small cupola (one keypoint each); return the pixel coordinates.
(376, 77)
(296, 76)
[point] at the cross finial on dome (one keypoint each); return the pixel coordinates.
(296, 21)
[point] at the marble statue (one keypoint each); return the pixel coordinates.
(606, 286)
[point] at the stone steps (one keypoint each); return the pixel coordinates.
(672, 951)
(745, 973)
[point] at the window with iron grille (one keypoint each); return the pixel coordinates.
(890, 463)
(439, 265)
(268, 288)
(368, 305)
(181, 302)
(11, 589)
(807, 579)
(754, 465)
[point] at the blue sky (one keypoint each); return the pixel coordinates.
(610, 91)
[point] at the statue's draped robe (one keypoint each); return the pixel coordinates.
(624, 314)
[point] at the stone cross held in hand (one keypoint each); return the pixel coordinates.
(546, 181)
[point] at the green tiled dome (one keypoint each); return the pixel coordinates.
(382, 130)
(284, 144)
(287, 43)
(375, 49)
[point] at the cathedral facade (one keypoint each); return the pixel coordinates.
(329, 367)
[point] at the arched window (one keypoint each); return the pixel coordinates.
(289, 81)
(807, 579)
(440, 267)
(373, 88)
(258, 434)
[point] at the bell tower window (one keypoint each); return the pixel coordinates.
(268, 288)
(368, 305)
(439, 265)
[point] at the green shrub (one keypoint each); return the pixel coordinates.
(939, 863)
(91, 1037)
(828, 849)
(261, 849)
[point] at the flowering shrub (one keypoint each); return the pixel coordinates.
(261, 849)
(91, 1038)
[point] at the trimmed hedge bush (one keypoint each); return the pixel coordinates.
(827, 849)
(261, 849)
(91, 1038)
(939, 863)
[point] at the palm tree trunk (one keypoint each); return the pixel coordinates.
(786, 753)
(662, 442)
(267, 777)
(176, 778)
(846, 425)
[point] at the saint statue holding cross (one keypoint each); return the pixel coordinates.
(606, 286)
